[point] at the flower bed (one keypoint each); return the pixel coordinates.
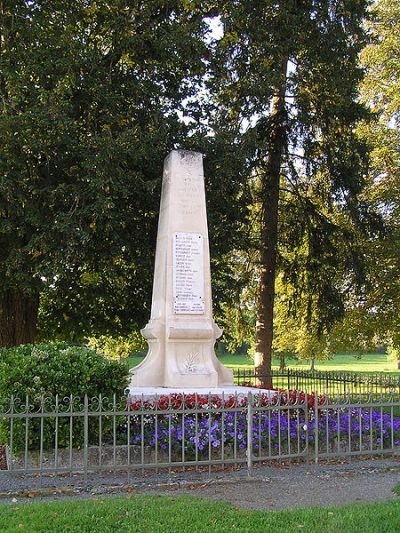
(201, 426)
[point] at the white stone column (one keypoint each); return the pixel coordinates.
(181, 332)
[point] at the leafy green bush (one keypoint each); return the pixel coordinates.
(118, 347)
(47, 370)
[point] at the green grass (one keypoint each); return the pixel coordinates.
(183, 513)
(134, 360)
(375, 362)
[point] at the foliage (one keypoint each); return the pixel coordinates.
(307, 58)
(393, 352)
(119, 347)
(380, 305)
(44, 371)
(299, 333)
(92, 96)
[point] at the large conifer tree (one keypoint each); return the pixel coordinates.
(286, 77)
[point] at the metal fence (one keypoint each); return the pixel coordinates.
(49, 436)
(330, 382)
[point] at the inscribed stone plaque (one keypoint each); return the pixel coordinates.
(188, 273)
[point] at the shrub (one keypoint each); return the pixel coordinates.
(47, 370)
(118, 347)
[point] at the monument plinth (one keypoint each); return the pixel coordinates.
(181, 332)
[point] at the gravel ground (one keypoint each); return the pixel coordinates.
(272, 487)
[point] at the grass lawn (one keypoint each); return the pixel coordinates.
(184, 513)
(375, 362)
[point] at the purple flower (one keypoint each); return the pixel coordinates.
(271, 428)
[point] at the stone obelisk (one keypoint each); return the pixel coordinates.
(181, 332)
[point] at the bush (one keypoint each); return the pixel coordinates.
(47, 370)
(118, 347)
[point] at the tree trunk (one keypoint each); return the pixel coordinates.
(269, 231)
(312, 363)
(18, 317)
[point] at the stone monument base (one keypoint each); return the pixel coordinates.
(225, 391)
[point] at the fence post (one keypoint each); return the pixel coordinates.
(85, 439)
(249, 434)
(306, 428)
(316, 429)
(11, 443)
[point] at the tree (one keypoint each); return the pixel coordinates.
(286, 77)
(381, 91)
(91, 96)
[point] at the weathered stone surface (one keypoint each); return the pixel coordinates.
(181, 332)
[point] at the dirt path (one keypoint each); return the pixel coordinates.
(270, 487)
(300, 487)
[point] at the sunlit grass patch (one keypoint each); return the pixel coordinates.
(183, 513)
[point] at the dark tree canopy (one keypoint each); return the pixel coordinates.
(91, 99)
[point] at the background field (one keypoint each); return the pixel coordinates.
(375, 362)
